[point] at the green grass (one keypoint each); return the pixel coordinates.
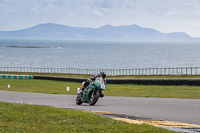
(190, 92)
(39, 86)
(36, 119)
(108, 77)
(126, 90)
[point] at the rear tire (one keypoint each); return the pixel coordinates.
(94, 97)
(78, 99)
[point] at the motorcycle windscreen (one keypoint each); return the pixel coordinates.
(100, 80)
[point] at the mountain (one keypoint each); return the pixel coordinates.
(107, 32)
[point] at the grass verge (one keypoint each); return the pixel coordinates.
(34, 119)
(126, 90)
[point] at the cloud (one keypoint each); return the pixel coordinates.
(103, 4)
(8, 11)
(35, 9)
(52, 8)
(97, 13)
(8, 1)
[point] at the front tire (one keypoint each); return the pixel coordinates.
(78, 99)
(94, 97)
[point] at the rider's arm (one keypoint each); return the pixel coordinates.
(94, 77)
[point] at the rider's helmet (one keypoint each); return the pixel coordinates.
(103, 74)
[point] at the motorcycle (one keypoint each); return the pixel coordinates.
(91, 93)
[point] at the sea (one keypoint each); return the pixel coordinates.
(93, 54)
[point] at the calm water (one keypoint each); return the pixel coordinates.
(97, 54)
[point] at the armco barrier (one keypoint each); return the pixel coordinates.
(190, 82)
(60, 78)
(10, 76)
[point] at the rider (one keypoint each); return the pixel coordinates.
(92, 79)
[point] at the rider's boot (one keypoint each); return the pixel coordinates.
(101, 94)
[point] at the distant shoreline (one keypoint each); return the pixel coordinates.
(26, 47)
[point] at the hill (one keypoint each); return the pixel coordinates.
(107, 32)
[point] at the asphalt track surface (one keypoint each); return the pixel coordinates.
(168, 109)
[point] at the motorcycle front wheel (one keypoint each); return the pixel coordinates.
(78, 99)
(94, 97)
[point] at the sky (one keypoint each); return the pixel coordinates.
(163, 15)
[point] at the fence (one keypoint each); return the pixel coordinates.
(112, 72)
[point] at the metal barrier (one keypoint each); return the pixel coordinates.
(189, 82)
(10, 76)
(111, 72)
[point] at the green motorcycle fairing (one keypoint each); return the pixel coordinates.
(88, 90)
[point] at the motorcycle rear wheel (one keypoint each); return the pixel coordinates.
(94, 97)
